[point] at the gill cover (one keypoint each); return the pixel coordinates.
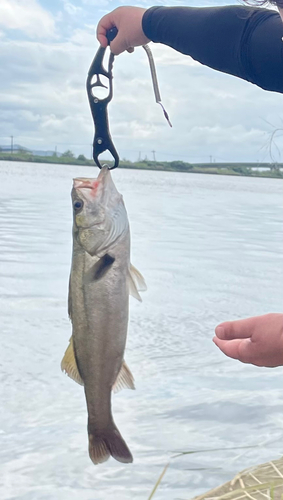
(100, 217)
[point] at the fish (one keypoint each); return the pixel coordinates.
(101, 280)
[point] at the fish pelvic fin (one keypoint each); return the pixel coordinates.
(125, 379)
(69, 364)
(106, 443)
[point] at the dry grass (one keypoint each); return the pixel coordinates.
(158, 482)
(261, 482)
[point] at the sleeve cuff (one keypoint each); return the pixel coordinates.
(149, 28)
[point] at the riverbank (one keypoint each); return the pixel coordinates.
(238, 169)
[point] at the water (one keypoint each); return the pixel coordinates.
(210, 248)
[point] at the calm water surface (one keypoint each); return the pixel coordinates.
(210, 249)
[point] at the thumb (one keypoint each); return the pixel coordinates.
(242, 349)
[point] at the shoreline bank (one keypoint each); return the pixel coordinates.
(234, 169)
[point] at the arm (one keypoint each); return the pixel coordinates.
(242, 41)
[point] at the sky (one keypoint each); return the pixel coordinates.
(47, 47)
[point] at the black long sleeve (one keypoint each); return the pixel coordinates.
(242, 41)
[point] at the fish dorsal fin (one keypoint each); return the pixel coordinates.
(125, 379)
(69, 364)
(136, 283)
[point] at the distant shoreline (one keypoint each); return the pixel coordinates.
(236, 169)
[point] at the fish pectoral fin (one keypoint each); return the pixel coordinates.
(136, 283)
(69, 364)
(99, 269)
(124, 380)
(138, 279)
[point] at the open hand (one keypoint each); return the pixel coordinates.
(257, 340)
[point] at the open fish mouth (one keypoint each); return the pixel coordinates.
(81, 183)
(91, 184)
(86, 183)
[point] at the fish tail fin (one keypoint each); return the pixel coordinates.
(108, 442)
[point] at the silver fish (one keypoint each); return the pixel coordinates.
(100, 282)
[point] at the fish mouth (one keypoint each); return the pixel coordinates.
(90, 184)
(81, 183)
(87, 183)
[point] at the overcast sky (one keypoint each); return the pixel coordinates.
(46, 50)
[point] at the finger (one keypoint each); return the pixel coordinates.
(130, 50)
(228, 347)
(118, 45)
(240, 329)
(242, 349)
(102, 39)
(104, 25)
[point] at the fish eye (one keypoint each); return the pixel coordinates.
(78, 204)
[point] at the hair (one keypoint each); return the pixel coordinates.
(278, 3)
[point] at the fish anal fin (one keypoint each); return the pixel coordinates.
(69, 364)
(125, 379)
(136, 283)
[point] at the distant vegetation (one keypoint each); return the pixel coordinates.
(68, 158)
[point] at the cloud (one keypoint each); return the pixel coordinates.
(71, 9)
(28, 17)
(97, 3)
(213, 114)
(43, 102)
(85, 38)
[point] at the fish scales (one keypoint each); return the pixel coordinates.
(99, 331)
(100, 282)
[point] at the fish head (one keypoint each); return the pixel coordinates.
(99, 213)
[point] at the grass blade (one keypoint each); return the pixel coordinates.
(181, 453)
(158, 481)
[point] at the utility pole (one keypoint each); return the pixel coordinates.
(139, 159)
(55, 150)
(210, 158)
(12, 144)
(153, 152)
